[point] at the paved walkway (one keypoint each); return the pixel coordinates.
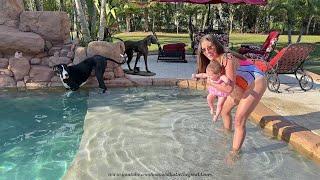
(302, 108)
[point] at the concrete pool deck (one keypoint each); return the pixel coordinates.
(292, 115)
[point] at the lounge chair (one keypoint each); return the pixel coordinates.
(261, 52)
(289, 60)
(174, 52)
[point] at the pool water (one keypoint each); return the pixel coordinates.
(168, 132)
(147, 131)
(40, 133)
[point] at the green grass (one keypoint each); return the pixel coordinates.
(236, 40)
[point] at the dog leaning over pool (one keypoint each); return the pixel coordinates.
(73, 77)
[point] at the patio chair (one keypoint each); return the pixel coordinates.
(174, 52)
(261, 52)
(289, 60)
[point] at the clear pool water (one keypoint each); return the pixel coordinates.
(39, 133)
(164, 131)
(131, 131)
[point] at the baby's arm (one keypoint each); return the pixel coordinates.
(200, 75)
(225, 79)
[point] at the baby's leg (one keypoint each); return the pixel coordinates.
(220, 103)
(210, 100)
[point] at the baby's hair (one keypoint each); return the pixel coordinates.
(214, 67)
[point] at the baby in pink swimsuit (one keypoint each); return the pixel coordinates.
(213, 75)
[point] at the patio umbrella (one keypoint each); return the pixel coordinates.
(254, 2)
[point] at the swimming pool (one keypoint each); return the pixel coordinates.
(163, 131)
(39, 133)
(167, 132)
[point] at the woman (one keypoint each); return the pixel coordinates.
(247, 85)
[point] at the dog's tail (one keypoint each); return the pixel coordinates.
(124, 59)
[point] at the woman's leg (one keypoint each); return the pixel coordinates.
(210, 100)
(246, 105)
(228, 105)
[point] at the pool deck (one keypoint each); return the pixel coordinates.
(291, 115)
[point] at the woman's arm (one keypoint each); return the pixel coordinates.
(230, 70)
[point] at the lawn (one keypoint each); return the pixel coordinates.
(235, 39)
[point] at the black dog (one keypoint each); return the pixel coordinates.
(141, 48)
(73, 77)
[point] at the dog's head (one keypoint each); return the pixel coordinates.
(61, 70)
(151, 39)
(18, 54)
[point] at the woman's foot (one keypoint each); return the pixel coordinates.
(232, 157)
(211, 111)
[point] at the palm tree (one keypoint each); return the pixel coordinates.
(83, 23)
(102, 20)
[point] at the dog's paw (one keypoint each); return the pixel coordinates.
(68, 94)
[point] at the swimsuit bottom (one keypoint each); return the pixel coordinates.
(247, 73)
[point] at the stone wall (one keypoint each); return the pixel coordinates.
(43, 39)
(10, 11)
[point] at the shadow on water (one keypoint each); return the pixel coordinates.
(135, 99)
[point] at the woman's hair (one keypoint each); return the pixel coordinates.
(202, 60)
(214, 67)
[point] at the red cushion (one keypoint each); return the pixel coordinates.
(174, 47)
(265, 66)
(272, 34)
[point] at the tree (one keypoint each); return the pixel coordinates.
(102, 20)
(83, 23)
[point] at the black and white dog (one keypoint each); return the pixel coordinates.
(73, 77)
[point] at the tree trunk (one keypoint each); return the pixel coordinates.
(153, 23)
(146, 17)
(102, 20)
(93, 26)
(300, 34)
(85, 11)
(231, 17)
(128, 23)
(242, 22)
(38, 5)
(83, 23)
(309, 23)
(62, 6)
(190, 27)
(204, 20)
(289, 32)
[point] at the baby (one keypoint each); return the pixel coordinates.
(213, 75)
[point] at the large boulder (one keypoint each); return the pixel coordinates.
(4, 62)
(40, 74)
(103, 48)
(10, 11)
(80, 55)
(20, 67)
(53, 26)
(14, 40)
(7, 81)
